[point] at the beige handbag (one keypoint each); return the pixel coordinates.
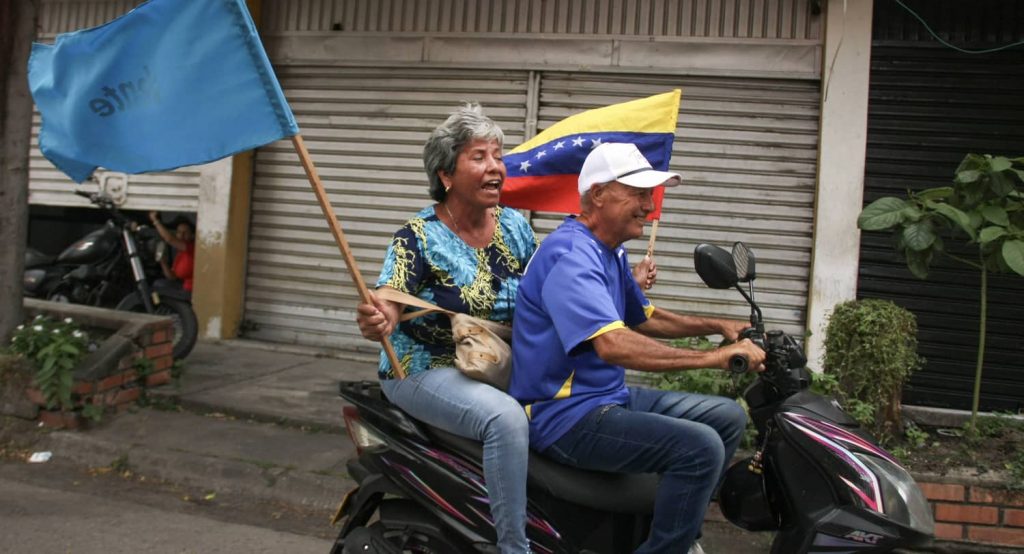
(482, 348)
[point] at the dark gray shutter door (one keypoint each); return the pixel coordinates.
(929, 106)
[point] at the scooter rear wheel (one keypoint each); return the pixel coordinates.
(403, 528)
(382, 539)
(416, 541)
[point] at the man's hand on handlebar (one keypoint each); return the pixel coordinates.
(754, 355)
(731, 328)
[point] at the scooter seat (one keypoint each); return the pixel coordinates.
(630, 493)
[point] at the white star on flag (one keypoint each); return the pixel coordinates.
(597, 142)
(559, 145)
(525, 166)
(541, 154)
(578, 141)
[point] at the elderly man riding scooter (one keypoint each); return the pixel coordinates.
(581, 319)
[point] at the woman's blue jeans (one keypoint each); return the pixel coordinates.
(447, 399)
(686, 438)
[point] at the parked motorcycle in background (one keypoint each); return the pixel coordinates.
(817, 480)
(113, 267)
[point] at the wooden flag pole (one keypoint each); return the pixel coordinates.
(654, 235)
(339, 237)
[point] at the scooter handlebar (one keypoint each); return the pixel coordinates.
(738, 363)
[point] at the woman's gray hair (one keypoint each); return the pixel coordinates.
(465, 124)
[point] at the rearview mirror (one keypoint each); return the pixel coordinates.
(715, 266)
(743, 259)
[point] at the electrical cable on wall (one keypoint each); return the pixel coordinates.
(948, 44)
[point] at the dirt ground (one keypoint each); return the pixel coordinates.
(997, 450)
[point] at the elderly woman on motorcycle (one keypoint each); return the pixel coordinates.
(464, 253)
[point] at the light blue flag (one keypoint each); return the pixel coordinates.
(170, 83)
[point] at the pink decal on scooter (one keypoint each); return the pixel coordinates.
(867, 501)
(842, 435)
(872, 498)
(543, 525)
(458, 465)
(418, 483)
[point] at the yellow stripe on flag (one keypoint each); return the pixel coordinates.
(654, 114)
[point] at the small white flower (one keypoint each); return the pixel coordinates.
(20, 327)
(78, 334)
(37, 327)
(68, 320)
(40, 316)
(56, 331)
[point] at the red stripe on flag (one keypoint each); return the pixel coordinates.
(554, 193)
(547, 193)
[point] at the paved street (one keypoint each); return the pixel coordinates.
(53, 517)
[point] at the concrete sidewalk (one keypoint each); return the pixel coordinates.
(286, 384)
(253, 420)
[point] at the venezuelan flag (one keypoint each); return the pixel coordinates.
(542, 171)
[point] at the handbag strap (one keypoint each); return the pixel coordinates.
(399, 297)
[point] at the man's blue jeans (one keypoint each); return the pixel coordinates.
(686, 438)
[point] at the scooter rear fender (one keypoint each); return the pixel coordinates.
(360, 503)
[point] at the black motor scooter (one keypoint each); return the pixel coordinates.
(115, 267)
(817, 479)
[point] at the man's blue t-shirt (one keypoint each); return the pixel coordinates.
(575, 288)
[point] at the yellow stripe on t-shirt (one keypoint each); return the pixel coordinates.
(566, 389)
(648, 310)
(610, 327)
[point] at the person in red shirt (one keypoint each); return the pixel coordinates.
(183, 240)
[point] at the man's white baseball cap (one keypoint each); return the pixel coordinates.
(622, 162)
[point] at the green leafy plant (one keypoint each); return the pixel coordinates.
(143, 367)
(984, 206)
(704, 381)
(53, 348)
(870, 352)
(177, 370)
(709, 381)
(916, 436)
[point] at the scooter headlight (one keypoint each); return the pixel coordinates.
(902, 499)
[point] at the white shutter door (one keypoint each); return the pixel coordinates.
(365, 129)
(173, 191)
(747, 151)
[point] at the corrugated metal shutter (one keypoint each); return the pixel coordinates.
(170, 191)
(929, 106)
(747, 151)
(365, 129)
(778, 19)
